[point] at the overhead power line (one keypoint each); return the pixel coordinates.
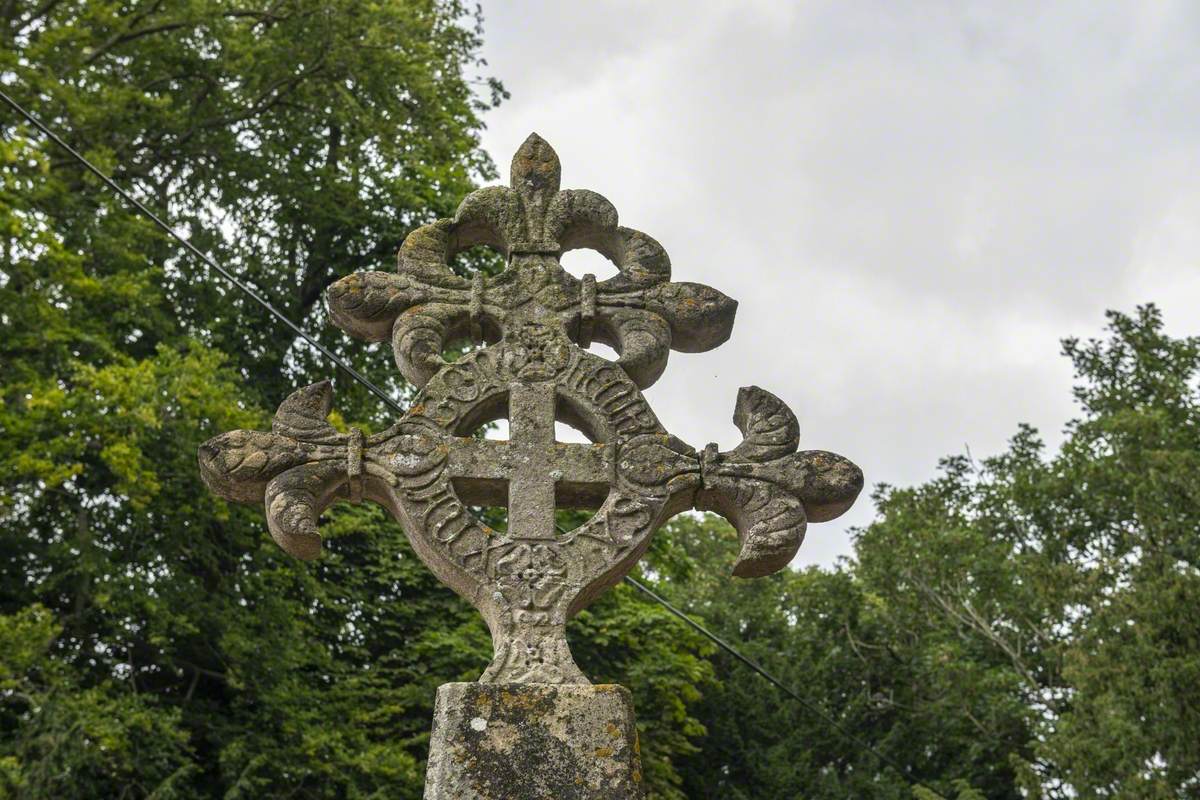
(191, 248)
(780, 685)
(394, 405)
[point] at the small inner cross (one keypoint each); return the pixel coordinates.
(530, 473)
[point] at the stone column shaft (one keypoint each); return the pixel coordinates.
(533, 741)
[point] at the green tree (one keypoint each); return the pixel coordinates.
(1017, 627)
(153, 641)
(1064, 584)
(1021, 626)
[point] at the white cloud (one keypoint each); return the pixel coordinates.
(912, 201)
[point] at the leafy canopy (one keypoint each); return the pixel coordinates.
(153, 641)
(1018, 627)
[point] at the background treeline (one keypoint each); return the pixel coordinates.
(1025, 626)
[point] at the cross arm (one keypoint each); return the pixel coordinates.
(764, 487)
(482, 469)
(297, 470)
(767, 489)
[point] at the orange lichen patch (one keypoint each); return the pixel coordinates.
(519, 701)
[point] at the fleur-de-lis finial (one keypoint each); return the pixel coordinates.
(535, 169)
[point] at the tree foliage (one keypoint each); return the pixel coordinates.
(1018, 627)
(1022, 626)
(153, 642)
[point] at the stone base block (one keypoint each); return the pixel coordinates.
(529, 741)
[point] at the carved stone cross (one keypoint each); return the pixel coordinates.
(534, 321)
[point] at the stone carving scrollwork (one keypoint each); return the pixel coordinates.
(532, 321)
(639, 312)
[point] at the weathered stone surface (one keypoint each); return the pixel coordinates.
(639, 312)
(534, 319)
(533, 741)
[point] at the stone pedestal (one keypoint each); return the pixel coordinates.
(529, 741)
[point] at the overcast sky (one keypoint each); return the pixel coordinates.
(912, 201)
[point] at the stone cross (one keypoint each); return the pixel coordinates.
(533, 323)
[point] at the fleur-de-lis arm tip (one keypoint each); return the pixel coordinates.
(296, 470)
(768, 490)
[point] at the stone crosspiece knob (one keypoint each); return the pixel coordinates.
(429, 471)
